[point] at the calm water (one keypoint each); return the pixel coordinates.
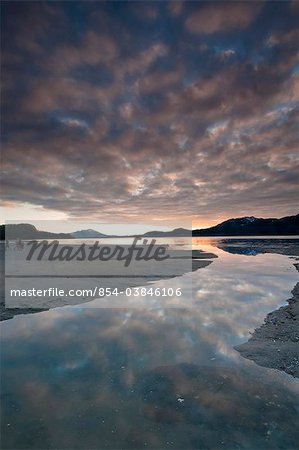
(149, 376)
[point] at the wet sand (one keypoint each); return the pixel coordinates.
(18, 306)
(276, 343)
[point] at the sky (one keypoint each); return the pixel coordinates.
(161, 113)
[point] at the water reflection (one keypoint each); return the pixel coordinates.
(255, 246)
(82, 377)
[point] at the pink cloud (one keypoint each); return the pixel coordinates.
(222, 16)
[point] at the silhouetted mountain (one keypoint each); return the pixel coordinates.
(252, 226)
(243, 226)
(82, 234)
(28, 231)
(177, 232)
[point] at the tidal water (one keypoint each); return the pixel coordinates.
(155, 373)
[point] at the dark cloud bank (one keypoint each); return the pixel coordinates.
(151, 110)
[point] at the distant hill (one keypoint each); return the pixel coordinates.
(242, 226)
(252, 226)
(28, 231)
(88, 234)
(176, 232)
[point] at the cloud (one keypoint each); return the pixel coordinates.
(71, 122)
(143, 59)
(95, 48)
(158, 80)
(222, 16)
(225, 54)
(278, 38)
(175, 7)
(144, 124)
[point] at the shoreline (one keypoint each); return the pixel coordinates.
(200, 259)
(275, 343)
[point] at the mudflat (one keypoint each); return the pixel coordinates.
(276, 343)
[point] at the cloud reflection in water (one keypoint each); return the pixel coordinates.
(153, 377)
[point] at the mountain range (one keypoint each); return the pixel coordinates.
(28, 231)
(81, 234)
(242, 226)
(252, 226)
